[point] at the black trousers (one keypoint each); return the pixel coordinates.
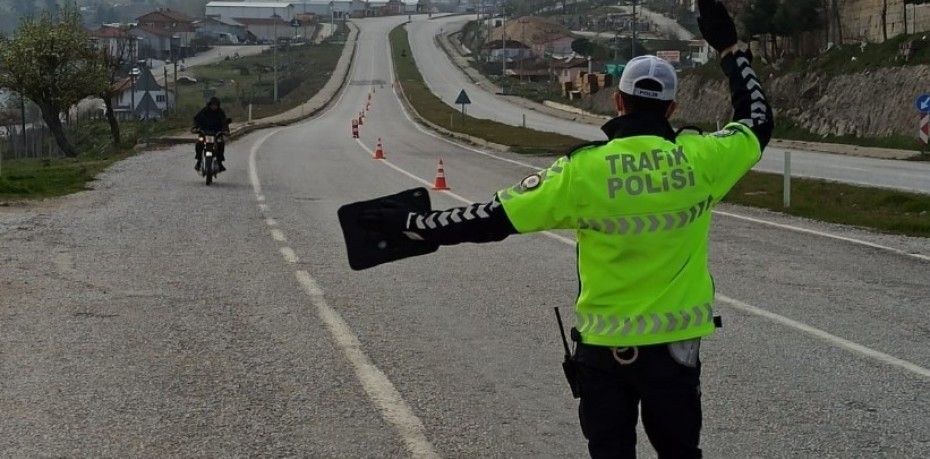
(220, 151)
(612, 394)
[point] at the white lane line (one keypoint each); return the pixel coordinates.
(278, 235)
(253, 171)
(376, 384)
(289, 255)
(823, 234)
(726, 214)
(834, 340)
(791, 323)
(263, 207)
(260, 198)
(459, 197)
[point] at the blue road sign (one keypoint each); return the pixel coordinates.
(923, 103)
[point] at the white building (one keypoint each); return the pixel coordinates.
(339, 9)
(142, 98)
(251, 10)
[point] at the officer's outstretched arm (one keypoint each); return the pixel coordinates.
(750, 106)
(480, 222)
(399, 226)
(541, 201)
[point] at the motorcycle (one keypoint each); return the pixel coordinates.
(209, 143)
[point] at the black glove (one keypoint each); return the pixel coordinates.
(716, 25)
(389, 219)
(374, 230)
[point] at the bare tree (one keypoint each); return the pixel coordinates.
(837, 20)
(884, 20)
(114, 58)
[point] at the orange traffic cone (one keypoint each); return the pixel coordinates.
(440, 177)
(379, 152)
(369, 96)
(361, 118)
(354, 128)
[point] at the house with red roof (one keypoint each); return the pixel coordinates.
(166, 33)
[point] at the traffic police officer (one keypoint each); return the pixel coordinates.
(640, 203)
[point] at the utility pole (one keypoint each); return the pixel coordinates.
(503, 51)
(274, 56)
(132, 78)
(22, 108)
(633, 24)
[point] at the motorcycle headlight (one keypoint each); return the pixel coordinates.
(209, 154)
(201, 139)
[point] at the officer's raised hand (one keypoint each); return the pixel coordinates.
(716, 25)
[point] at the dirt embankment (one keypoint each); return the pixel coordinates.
(872, 103)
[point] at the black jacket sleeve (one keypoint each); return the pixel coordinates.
(750, 106)
(199, 118)
(479, 222)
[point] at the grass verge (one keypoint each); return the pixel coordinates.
(44, 178)
(433, 109)
(37, 178)
(888, 211)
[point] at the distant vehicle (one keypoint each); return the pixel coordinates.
(228, 38)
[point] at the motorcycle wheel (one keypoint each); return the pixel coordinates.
(208, 169)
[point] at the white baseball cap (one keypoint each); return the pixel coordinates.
(649, 68)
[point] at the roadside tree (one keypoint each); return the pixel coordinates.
(54, 64)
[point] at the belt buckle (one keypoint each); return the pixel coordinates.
(616, 351)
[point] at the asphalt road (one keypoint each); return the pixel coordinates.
(154, 316)
(446, 80)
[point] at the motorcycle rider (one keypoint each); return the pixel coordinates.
(211, 118)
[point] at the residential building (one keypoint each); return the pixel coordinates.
(543, 37)
(269, 29)
(152, 43)
(511, 50)
(114, 39)
(179, 27)
(141, 98)
(223, 30)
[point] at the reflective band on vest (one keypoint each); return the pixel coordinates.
(638, 328)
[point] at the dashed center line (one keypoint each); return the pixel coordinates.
(278, 235)
(289, 255)
(379, 388)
